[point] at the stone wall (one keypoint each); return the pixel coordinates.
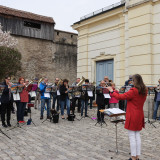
(50, 59)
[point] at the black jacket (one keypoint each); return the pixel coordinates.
(63, 95)
(5, 94)
(100, 99)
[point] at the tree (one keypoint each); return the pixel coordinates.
(10, 57)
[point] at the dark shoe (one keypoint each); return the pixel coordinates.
(4, 125)
(48, 117)
(86, 116)
(8, 124)
(41, 117)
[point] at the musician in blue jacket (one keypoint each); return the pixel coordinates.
(45, 98)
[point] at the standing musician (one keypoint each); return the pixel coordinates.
(76, 98)
(45, 98)
(156, 100)
(105, 91)
(38, 94)
(136, 97)
(84, 98)
(64, 88)
(6, 102)
(24, 99)
(100, 101)
(56, 95)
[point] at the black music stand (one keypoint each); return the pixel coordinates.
(101, 122)
(17, 126)
(150, 90)
(4, 134)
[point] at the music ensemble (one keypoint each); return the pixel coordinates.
(66, 100)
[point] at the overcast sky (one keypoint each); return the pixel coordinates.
(64, 12)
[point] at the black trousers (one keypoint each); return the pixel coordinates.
(6, 109)
(74, 103)
(100, 115)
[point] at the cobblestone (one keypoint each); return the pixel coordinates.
(78, 140)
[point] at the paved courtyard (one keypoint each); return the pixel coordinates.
(80, 140)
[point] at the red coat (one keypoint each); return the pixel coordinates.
(24, 95)
(134, 113)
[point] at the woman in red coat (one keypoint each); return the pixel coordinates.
(135, 97)
(24, 99)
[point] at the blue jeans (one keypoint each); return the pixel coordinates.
(43, 101)
(84, 103)
(20, 110)
(156, 105)
(67, 101)
(56, 98)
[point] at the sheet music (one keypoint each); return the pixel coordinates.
(77, 96)
(107, 96)
(90, 93)
(58, 93)
(32, 94)
(47, 95)
(16, 96)
(114, 110)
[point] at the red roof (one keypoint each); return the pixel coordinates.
(23, 14)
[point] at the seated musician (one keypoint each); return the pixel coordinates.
(64, 99)
(76, 97)
(84, 98)
(156, 100)
(45, 98)
(56, 96)
(100, 101)
(6, 102)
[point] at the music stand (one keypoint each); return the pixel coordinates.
(30, 118)
(101, 122)
(4, 134)
(150, 90)
(116, 121)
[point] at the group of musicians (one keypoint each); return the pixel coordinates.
(106, 94)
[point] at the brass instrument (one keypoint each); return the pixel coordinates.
(40, 80)
(81, 81)
(29, 83)
(59, 82)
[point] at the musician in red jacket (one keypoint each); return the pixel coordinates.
(135, 97)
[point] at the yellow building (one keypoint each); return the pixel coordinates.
(120, 40)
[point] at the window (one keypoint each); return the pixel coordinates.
(32, 25)
(57, 33)
(71, 36)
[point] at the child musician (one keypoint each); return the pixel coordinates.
(113, 102)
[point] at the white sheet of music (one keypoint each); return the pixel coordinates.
(77, 96)
(58, 93)
(107, 96)
(115, 110)
(16, 96)
(32, 94)
(90, 93)
(47, 95)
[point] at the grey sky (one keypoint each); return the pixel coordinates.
(64, 12)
